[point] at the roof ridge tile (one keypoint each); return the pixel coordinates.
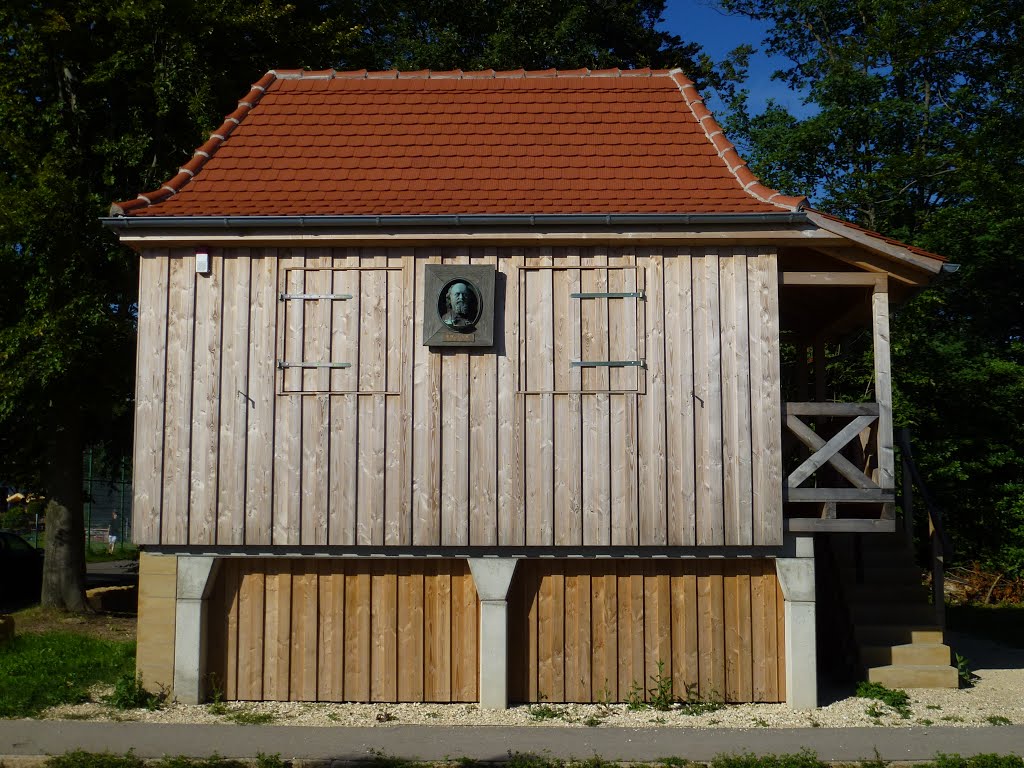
(714, 133)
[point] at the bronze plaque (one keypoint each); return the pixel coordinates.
(458, 305)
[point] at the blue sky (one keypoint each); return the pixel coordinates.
(701, 21)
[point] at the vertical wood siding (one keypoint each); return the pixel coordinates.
(596, 630)
(345, 630)
(509, 446)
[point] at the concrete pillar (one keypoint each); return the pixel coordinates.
(196, 575)
(493, 576)
(796, 577)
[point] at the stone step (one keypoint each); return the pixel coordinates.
(897, 634)
(919, 654)
(914, 676)
(891, 613)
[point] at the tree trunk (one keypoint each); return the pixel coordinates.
(64, 563)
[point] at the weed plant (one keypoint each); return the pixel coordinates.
(44, 670)
(898, 701)
(129, 693)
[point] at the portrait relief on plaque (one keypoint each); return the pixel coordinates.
(458, 306)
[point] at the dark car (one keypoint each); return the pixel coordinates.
(21, 570)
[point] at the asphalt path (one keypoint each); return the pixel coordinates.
(491, 743)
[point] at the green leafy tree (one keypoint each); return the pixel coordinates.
(99, 101)
(916, 128)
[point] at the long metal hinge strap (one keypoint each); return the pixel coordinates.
(282, 364)
(311, 296)
(633, 295)
(607, 363)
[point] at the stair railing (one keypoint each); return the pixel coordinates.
(940, 543)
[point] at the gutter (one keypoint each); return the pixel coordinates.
(449, 221)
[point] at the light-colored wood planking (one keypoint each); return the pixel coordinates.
(235, 402)
(426, 487)
(409, 668)
(538, 365)
(206, 404)
(883, 383)
(736, 405)
(288, 498)
(331, 621)
(345, 321)
(623, 469)
(174, 525)
(277, 637)
(343, 484)
(384, 631)
(511, 524)
(455, 457)
(304, 631)
(766, 429)
(154, 658)
(396, 503)
(403, 506)
(316, 438)
(437, 632)
(147, 479)
(259, 456)
(651, 449)
(358, 640)
(679, 398)
(568, 443)
(370, 499)
(708, 405)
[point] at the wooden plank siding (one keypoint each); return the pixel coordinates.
(344, 630)
(516, 445)
(601, 630)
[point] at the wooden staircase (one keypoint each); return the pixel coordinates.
(898, 633)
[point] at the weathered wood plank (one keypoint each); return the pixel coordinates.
(358, 641)
(277, 634)
(763, 628)
(174, 528)
(148, 462)
(551, 636)
(206, 404)
(331, 620)
(631, 629)
(455, 458)
(437, 631)
(287, 435)
(426, 478)
(578, 674)
(568, 444)
(384, 630)
(305, 647)
(736, 404)
(251, 611)
(766, 437)
(883, 383)
(465, 650)
(711, 629)
(825, 279)
(827, 451)
(235, 403)
(679, 398)
(539, 424)
(409, 671)
(657, 621)
(830, 409)
(604, 672)
(511, 522)
(652, 450)
(707, 391)
(407, 397)
(685, 652)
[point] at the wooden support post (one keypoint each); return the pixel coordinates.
(883, 384)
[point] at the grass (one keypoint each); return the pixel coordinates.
(48, 669)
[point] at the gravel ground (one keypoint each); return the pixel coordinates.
(996, 699)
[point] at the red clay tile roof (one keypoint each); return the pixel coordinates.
(384, 143)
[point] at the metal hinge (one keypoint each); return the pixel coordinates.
(281, 364)
(633, 295)
(311, 296)
(608, 364)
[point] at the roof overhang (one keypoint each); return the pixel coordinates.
(785, 228)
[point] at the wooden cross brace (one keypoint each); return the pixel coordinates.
(828, 451)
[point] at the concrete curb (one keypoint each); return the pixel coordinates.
(494, 744)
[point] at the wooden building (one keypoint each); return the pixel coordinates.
(343, 495)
